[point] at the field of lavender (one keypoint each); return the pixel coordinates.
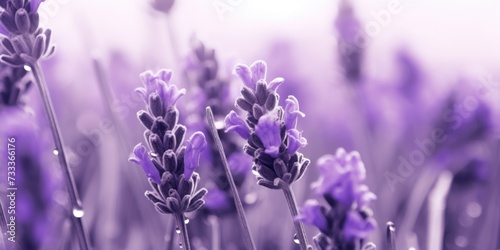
(163, 124)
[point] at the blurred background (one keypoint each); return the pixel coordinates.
(413, 85)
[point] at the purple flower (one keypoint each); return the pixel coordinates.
(311, 213)
(196, 144)
(338, 167)
(35, 4)
(356, 226)
(217, 199)
(142, 159)
(292, 112)
(295, 140)
(268, 130)
(159, 83)
(235, 123)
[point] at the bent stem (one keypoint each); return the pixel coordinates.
(68, 177)
(181, 225)
(236, 196)
(292, 205)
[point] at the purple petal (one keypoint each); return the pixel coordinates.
(35, 4)
(357, 227)
(245, 75)
(235, 123)
(295, 141)
(259, 70)
(196, 144)
(275, 83)
(141, 158)
(311, 213)
(268, 130)
(292, 112)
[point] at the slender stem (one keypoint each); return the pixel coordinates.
(292, 205)
(184, 232)
(214, 224)
(171, 240)
(76, 205)
(237, 201)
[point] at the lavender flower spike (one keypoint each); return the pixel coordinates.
(273, 139)
(169, 165)
(196, 144)
(141, 158)
(347, 215)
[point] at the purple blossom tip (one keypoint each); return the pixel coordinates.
(259, 71)
(35, 4)
(244, 74)
(268, 130)
(311, 214)
(159, 83)
(196, 144)
(292, 112)
(235, 123)
(251, 75)
(141, 158)
(342, 175)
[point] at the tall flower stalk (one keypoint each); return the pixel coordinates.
(169, 165)
(26, 45)
(272, 136)
(346, 220)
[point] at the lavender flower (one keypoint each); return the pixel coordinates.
(347, 218)
(26, 42)
(202, 68)
(169, 165)
(270, 130)
(273, 140)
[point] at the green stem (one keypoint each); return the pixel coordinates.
(214, 224)
(391, 236)
(236, 196)
(184, 232)
(292, 205)
(76, 205)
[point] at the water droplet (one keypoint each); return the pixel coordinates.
(78, 212)
(412, 248)
(180, 245)
(219, 124)
(254, 171)
(461, 241)
(250, 198)
(56, 152)
(474, 210)
(177, 230)
(186, 221)
(153, 154)
(27, 68)
(296, 239)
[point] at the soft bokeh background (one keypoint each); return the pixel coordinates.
(427, 56)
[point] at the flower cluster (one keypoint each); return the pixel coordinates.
(169, 165)
(270, 130)
(212, 90)
(24, 43)
(347, 218)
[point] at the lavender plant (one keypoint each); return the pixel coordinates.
(168, 164)
(346, 220)
(271, 133)
(25, 45)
